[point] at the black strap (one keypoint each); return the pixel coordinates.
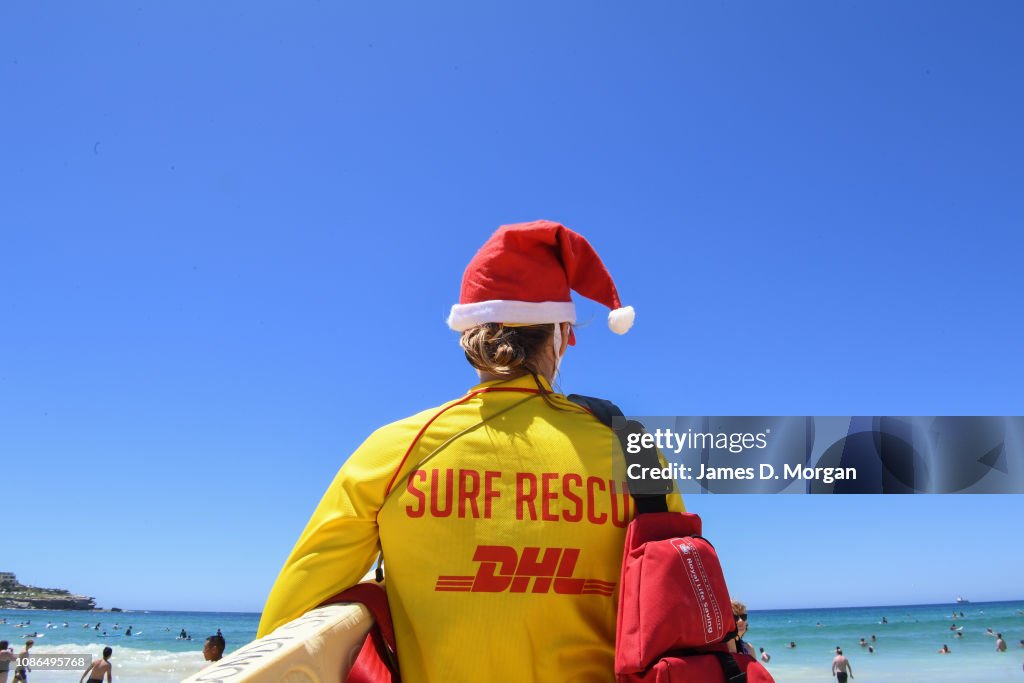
(730, 668)
(653, 498)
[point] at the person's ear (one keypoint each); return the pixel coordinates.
(566, 329)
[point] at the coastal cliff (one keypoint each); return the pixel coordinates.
(14, 595)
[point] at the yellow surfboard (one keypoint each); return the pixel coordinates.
(318, 647)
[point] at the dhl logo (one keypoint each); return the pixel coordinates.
(502, 569)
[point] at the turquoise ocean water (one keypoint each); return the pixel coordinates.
(153, 654)
(905, 648)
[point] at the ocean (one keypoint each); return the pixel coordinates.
(905, 647)
(152, 654)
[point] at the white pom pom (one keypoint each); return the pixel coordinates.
(621, 319)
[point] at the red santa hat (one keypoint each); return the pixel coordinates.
(523, 274)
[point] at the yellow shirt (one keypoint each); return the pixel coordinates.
(501, 523)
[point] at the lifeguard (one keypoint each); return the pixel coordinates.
(499, 514)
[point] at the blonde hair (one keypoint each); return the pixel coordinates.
(506, 350)
(738, 607)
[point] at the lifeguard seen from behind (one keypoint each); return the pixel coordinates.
(499, 514)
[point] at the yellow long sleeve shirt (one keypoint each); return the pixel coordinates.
(501, 516)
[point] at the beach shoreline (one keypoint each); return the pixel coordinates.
(904, 647)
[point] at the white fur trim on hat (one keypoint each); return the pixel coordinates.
(621, 319)
(465, 316)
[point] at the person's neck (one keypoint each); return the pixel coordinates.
(490, 377)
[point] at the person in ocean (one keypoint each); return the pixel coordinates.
(100, 669)
(944, 650)
(739, 613)
(21, 671)
(6, 657)
(765, 657)
(1000, 643)
(213, 648)
(499, 515)
(841, 667)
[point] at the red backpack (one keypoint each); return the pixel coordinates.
(675, 616)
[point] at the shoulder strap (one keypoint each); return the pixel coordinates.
(732, 671)
(611, 416)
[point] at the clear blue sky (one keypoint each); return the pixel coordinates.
(230, 234)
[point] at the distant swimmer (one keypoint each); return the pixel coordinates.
(100, 669)
(884, 620)
(129, 631)
(953, 627)
(863, 643)
(1022, 643)
(873, 639)
(944, 650)
(765, 657)
(841, 667)
(959, 634)
(818, 624)
(1000, 643)
(791, 645)
(871, 650)
(989, 632)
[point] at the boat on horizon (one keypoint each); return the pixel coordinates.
(961, 600)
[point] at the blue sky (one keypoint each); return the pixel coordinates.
(230, 234)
